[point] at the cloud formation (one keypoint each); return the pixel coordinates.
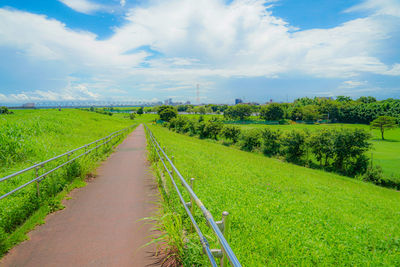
(83, 6)
(183, 42)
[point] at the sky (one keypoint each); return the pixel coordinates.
(257, 50)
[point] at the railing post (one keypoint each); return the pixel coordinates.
(226, 222)
(37, 182)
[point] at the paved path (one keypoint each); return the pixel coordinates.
(99, 226)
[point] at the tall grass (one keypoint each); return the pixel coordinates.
(29, 137)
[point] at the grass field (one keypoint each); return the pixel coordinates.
(287, 215)
(31, 136)
(386, 153)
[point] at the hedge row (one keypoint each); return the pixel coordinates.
(336, 150)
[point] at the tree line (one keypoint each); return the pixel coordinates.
(336, 150)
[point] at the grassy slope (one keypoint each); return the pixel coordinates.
(56, 132)
(284, 214)
(386, 153)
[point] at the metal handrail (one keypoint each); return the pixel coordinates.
(226, 249)
(41, 177)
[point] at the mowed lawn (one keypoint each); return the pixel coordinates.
(386, 153)
(287, 215)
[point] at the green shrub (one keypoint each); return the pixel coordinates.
(321, 145)
(349, 148)
(251, 140)
(294, 146)
(373, 174)
(232, 133)
(271, 141)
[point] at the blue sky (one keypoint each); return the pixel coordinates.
(97, 50)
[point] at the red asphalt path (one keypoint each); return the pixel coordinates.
(99, 226)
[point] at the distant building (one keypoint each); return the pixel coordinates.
(238, 101)
(187, 103)
(168, 101)
(28, 105)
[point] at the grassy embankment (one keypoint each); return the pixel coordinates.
(283, 214)
(386, 153)
(31, 136)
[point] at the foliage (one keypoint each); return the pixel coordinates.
(271, 141)
(383, 123)
(321, 144)
(238, 112)
(251, 140)
(294, 146)
(272, 112)
(373, 174)
(232, 133)
(167, 113)
(5, 111)
(132, 116)
(140, 111)
(349, 148)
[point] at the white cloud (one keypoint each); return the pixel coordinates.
(82, 6)
(122, 3)
(78, 92)
(353, 84)
(196, 40)
(378, 7)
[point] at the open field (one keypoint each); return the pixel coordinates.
(386, 153)
(283, 214)
(31, 136)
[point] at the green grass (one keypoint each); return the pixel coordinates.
(31, 136)
(386, 153)
(287, 215)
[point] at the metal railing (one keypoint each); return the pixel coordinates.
(220, 228)
(38, 178)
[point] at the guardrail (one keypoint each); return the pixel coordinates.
(38, 178)
(220, 228)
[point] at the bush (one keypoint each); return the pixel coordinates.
(321, 144)
(294, 146)
(132, 116)
(373, 174)
(5, 110)
(232, 133)
(251, 140)
(271, 141)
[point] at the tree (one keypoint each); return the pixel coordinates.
(238, 112)
(343, 98)
(272, 112)
(271, 141)
(5, 110)
(294, 146)
(166, 113)
(140, 111)
(310, 113)
(231, 132)
(383, 123)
